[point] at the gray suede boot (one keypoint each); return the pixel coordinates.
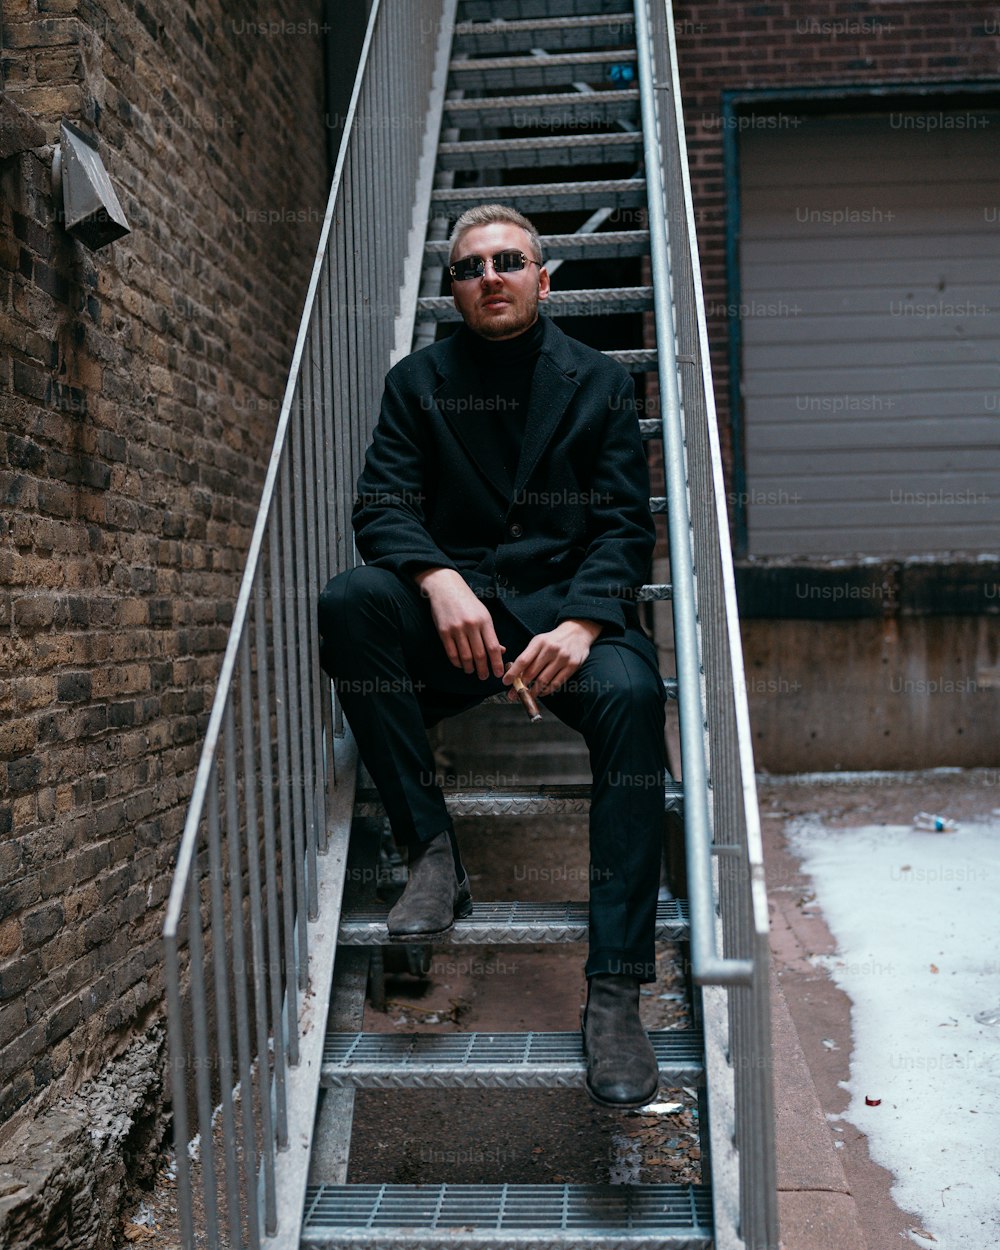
(621, 1066)
(434, 897)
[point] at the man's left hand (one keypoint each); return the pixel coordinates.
(551, 659)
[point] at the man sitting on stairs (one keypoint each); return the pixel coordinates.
(503, 516)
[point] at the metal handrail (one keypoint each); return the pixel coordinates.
(708, 968)
(737, 1011)
(251, 920)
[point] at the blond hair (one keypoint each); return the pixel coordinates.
(486, 215)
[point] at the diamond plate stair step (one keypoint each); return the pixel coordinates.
(488, 1060)
(552, 34)
(591, 302)
(541, 151)
(544, 197)
(613, 244)
(502, 73)
(636, 360)
(514, 800)
(562, 110)
(522, 10)
(511, 924)
(515, 1217)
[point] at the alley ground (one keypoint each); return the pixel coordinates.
(833, 1197)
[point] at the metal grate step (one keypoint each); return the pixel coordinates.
(555, 34)
(613, 244)
(544, 197)
(560, 111)
(514, 800)
(515, 1217)
(503, 73)
(541, 151)
(487, 1060)
(519, 10)
(511, 924)
(590, 302)
(636, 360)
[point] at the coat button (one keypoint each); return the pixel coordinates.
(516, 531)
(501, 580)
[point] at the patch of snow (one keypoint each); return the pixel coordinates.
(914, 918)
(868, 777)
(626, 1160)
(143, 1216)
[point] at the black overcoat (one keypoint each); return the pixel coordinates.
(575, 538)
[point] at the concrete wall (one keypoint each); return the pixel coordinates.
(917, 692)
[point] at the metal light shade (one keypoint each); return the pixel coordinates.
(91, 209)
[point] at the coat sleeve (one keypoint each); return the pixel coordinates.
(620, 528)
(389, 513)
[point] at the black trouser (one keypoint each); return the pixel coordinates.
(394, 680)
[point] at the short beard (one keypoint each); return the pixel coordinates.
(506, 329)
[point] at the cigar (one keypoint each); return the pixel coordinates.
(527, 699)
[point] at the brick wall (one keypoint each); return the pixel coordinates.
(741, 45)
(139, 388)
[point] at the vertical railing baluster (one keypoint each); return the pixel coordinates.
(293, 641)
(180, 1060)
(239, 961)
(290, 1013)
(313, 746)
(220, 974)
(202, 1055)
(299, 682)
(251, 734)
(273, 913)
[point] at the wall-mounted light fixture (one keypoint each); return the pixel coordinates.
(83, 191)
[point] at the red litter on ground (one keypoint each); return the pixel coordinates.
(872, 1102)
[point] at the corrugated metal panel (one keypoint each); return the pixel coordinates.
(870, 318)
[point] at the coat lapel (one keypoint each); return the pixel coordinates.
(552, 388)
(460, 382)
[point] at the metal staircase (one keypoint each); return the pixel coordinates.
(272, 920)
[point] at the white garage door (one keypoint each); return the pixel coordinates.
(870, 315)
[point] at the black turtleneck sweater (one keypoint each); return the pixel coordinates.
(506, 368)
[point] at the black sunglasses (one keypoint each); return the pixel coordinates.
(475, 266)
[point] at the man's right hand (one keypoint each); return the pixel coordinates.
(463, 622)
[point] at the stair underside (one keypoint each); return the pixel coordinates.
(510, 924)
(560, 110)
(529, 1217)
(592, 302)
(557, 34)
(517, 72)
(523, 10)
(612, 244)
(536, 151)
(545, 197)
(488, 1060)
